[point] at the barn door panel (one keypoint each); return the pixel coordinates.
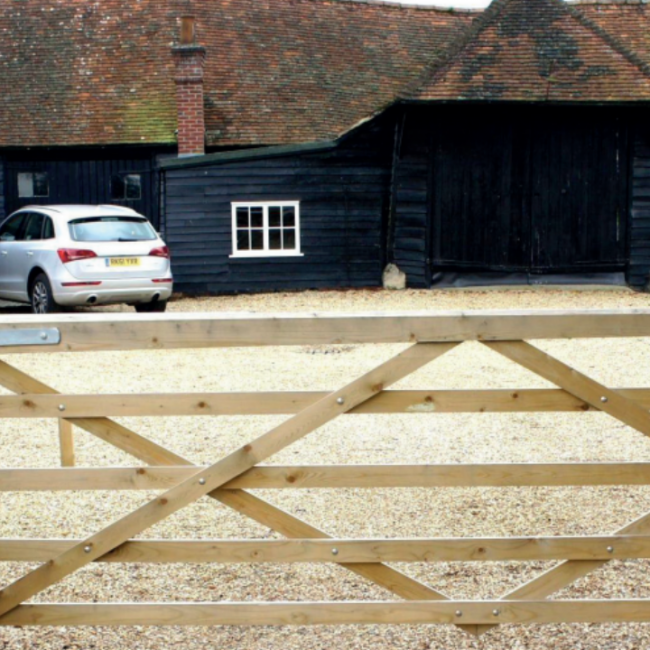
(530, 190)
(476, 208)
(578, 194)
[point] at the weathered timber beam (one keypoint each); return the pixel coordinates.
(334, 476)
(280, 403)
(349, 551)
(329, 613)
(84, 332)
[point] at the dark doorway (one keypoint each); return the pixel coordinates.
(539, 190)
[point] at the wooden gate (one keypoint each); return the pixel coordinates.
(429, 336)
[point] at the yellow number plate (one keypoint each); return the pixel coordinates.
(124, 261)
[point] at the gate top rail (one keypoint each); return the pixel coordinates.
(88, 332)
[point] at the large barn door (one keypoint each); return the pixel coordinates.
(476, 203)
(529, 190)
(578, 194)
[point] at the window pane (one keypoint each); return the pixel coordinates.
(289, 217)
(275, 217)
(34, 227)
(257, 219)
(48, 229)
(10, 230)
(41, 184)
(289, 239)
(25, 186)
(133, 187)
(257, 240)
(242, 217)
(243, 240)
(275, 239)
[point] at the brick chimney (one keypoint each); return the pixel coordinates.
(189, 58)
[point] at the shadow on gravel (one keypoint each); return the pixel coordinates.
(7, 308)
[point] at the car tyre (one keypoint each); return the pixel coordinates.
(41, 297)
(148, 307)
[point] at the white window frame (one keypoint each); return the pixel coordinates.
(266, 251)
(32, 193)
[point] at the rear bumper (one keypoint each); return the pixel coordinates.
(111, 292)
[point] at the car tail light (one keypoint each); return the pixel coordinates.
(162, 279)
(67, 255)
(80, 284)
(161, 251)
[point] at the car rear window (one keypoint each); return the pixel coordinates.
(111, 229)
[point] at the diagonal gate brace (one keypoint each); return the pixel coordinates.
(241, 501)
(220, 472)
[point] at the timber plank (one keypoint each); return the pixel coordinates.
(347, 551)
(288, 402)
(334, 476)
(329, 613)
(85, 332)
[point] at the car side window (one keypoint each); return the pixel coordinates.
(34, 227)
(10, 230)
(48, 229)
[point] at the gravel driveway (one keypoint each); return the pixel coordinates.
(413, 438)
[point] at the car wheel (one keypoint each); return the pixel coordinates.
(147, 307)
(41, 296)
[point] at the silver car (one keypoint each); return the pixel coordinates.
(73, 255)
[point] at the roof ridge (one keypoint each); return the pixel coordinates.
(455, 50)
(609, 39)
(607, 2)
(398, 5)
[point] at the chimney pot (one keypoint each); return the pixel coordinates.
(188, 34)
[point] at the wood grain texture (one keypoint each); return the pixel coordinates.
(329, 613)
(86, 332)
(66, 443)
(333, 476)
(280, 403)
(347, 551)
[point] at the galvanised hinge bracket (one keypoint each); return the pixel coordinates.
(36, 336)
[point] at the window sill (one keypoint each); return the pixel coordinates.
(257, 255)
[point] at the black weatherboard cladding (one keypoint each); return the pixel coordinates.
(343, 194)
(514, 189)
(639, 272)
(84, 176)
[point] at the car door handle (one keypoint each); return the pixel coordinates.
(30, 253)
(4, 252)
